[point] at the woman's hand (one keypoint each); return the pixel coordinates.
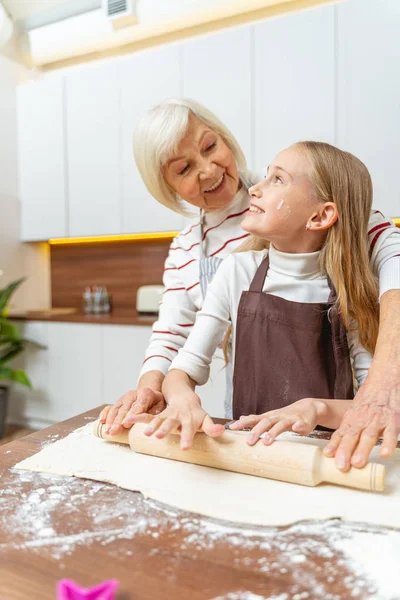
(184, 413)
(301, 417)
(375, 414)
(145, 402)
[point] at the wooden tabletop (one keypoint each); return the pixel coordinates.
(53, 528)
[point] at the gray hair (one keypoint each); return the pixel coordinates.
(157, 137)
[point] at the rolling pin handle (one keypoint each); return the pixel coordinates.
(99, 430)
(371, 477)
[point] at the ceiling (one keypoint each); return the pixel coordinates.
(29, 14)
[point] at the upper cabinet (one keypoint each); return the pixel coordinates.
(294, 81)
(93, 150)
(41, 148)
(217, 71)
(327, 73)
(146, 78)
(369, 92)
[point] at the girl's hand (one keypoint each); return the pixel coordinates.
(187, 415)
(301, 417)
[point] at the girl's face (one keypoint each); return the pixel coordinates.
(283, 205)
(203, 171)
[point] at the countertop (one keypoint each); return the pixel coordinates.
(114, 318)
(56, 527)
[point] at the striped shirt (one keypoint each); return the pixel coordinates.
(222, 233)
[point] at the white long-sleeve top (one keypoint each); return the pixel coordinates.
(294, 277)
(182, 297)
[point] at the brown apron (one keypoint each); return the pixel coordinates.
(287, 350)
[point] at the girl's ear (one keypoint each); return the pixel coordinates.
(326, 216)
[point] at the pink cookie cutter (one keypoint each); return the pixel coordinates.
(69, 590)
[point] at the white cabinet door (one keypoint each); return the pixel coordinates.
(294, 81)
(67, 376)
(93, 143)
(146, 78)
(217, 71)
(75, 373)
(31, 407)
(369, 92)
(41, 150)
(123, 355)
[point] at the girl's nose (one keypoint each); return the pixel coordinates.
(255, 191)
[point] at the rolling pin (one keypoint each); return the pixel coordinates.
(304, 464)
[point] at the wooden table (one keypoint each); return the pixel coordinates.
(54, 528)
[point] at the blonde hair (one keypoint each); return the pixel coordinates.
(157, 137)
(340, 177)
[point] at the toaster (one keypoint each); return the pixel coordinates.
(148, 298)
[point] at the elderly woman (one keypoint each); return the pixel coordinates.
(186, 155)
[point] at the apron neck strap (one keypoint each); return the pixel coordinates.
(332, 296)
(258, 281)
(201, 246)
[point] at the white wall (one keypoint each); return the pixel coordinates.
(16, 259)
(11, 50)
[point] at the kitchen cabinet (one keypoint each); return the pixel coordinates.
(294, 81)
(325, 73)
(123, 355)
(41, 150)
(145, 79)
(217, 71)
(369, 92)
(84, 366)
(75, 376)
(31, 407)
(93, 150)
(67, 376)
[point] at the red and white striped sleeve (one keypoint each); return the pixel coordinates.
(384, 248)
(175, 320)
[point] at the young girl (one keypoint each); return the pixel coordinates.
(302, 303)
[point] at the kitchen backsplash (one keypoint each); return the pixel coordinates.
(121, 266)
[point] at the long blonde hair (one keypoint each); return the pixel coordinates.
(340, 177)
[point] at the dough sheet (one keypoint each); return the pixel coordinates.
(216, 493)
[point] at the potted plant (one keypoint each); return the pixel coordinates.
(11, 345)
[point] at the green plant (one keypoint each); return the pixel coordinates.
(11, 342)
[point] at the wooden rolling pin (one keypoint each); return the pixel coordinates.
(304, 464)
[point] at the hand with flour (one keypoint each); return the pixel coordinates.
(147, 400)
(183, 412)
(301, 417)
(375, 412)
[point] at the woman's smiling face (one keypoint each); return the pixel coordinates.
(203, 171)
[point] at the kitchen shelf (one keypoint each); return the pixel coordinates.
(114, 318)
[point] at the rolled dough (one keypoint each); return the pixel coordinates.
(215, 493)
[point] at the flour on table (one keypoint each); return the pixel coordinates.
(216, 493)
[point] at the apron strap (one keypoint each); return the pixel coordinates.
(333, 295)
(339, 341)
(201, 234)
(258, 281)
